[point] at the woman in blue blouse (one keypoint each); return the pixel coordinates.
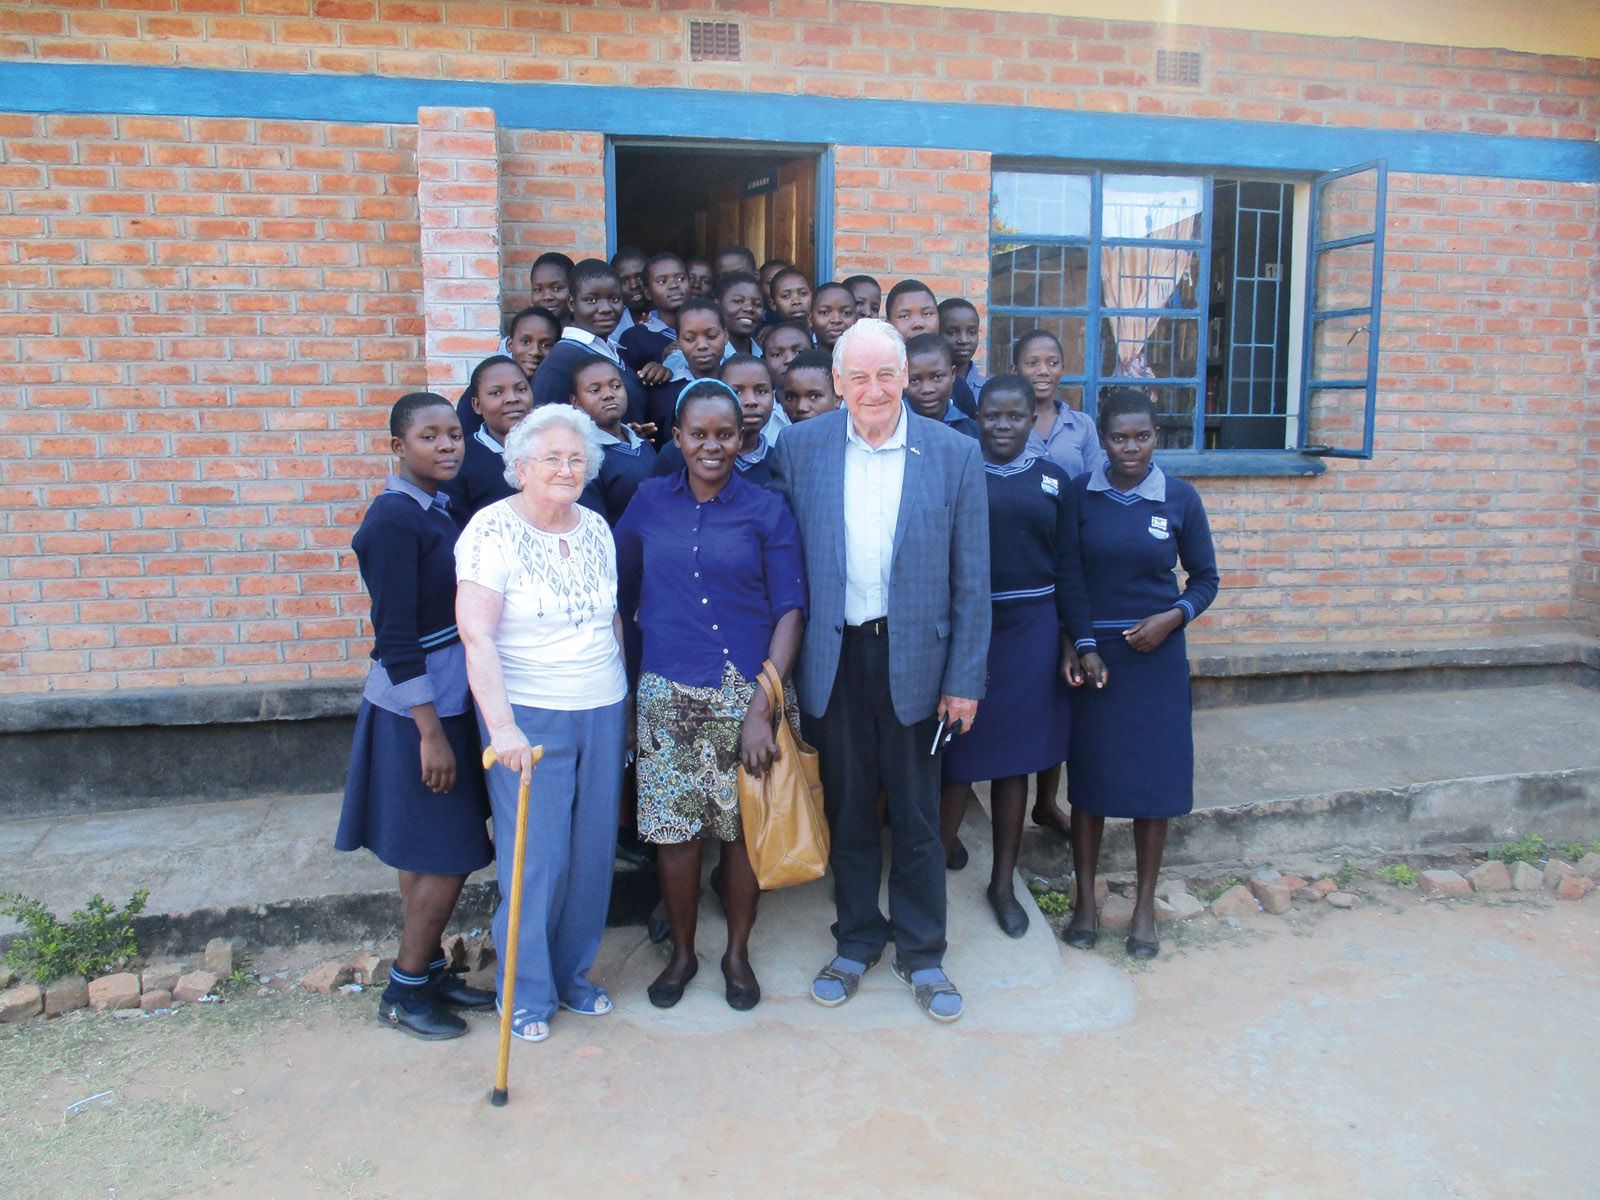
(1132, 749)
(415, 794)
(709, 564)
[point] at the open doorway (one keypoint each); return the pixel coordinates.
(695, 199)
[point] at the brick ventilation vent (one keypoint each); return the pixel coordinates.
(1178, 68)
(713, 41)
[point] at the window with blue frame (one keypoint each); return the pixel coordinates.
(1184, 285)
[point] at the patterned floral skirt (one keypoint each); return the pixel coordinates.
(689, 758)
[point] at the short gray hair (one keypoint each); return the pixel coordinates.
(527, 436)
(864, 329)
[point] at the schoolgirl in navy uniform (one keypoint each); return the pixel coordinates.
(703, 341)
(959, 323)
(739, 297)
(868, 294)
(746, 378)
(628, 458)
(596, 309)
(1132, 747)
(529, 337)
(931, 380)
(913, 309)
(501, 396)
(791, 296)
(702, 279)
(415, 794)
(550, 283)
(666, 279)
(833, 310)
(1041, 626)
(808, 386)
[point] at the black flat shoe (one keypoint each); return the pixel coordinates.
(665, 995)
(1080, 939)
(427, 1021)
(956, 860)
(1139, 948)
(454, 992)
(1010, 914)
(657, 930)
(741, 997)
(1062, 831)
(634, 852)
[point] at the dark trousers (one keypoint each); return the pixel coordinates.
(863, 747)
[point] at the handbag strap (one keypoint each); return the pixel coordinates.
(772, 683)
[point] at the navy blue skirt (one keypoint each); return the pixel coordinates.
(1133, 742)
(390, 811)
(1026, 714)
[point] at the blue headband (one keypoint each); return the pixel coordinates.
(678, 407)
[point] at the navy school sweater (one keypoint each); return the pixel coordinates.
(407, 560)
(1132, 544)
(552, 382)
(480, 482)
(1033, 542)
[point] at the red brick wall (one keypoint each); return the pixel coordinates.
(1465, 522)
(202, 323)
(914, 214)
(1586, 567)
(458, 207)
(552, 197)
(838, 48)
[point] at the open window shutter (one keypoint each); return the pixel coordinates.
(1344, 290)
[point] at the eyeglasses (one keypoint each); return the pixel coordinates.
(554, 462)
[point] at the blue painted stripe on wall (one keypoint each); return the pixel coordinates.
(1005, 131)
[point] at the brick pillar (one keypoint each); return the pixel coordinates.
(458, 196)
(920, 214)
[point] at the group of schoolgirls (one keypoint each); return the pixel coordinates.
(623, 340)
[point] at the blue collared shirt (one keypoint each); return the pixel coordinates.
(707, 582)
(678, 363)
(1073, 444)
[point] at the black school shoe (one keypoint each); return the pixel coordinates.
(420, 1016)
(452, 991)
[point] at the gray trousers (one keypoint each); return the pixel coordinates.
(571, 847)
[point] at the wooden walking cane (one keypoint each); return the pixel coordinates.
(498, 1097)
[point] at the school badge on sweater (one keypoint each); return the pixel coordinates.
(1158, 528)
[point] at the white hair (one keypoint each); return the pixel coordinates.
(864, 329)
(526, 438)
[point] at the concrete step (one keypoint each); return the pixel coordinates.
(1399, 773)
(263, 870)
(1396, 773)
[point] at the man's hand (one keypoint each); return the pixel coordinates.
(953, 709)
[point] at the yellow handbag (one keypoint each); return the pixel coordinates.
(785, 829)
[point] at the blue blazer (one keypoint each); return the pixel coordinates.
(938, 578)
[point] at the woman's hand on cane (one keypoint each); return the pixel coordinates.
(512, 751)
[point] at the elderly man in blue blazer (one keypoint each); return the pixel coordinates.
(893, 516)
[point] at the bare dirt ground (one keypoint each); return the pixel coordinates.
(1404, 1049)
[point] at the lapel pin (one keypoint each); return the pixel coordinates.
(915, 451)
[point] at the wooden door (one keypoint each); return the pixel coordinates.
(779, 223)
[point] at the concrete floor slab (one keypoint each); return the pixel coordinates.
(1045, 988)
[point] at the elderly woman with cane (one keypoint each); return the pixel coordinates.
(537, 609)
